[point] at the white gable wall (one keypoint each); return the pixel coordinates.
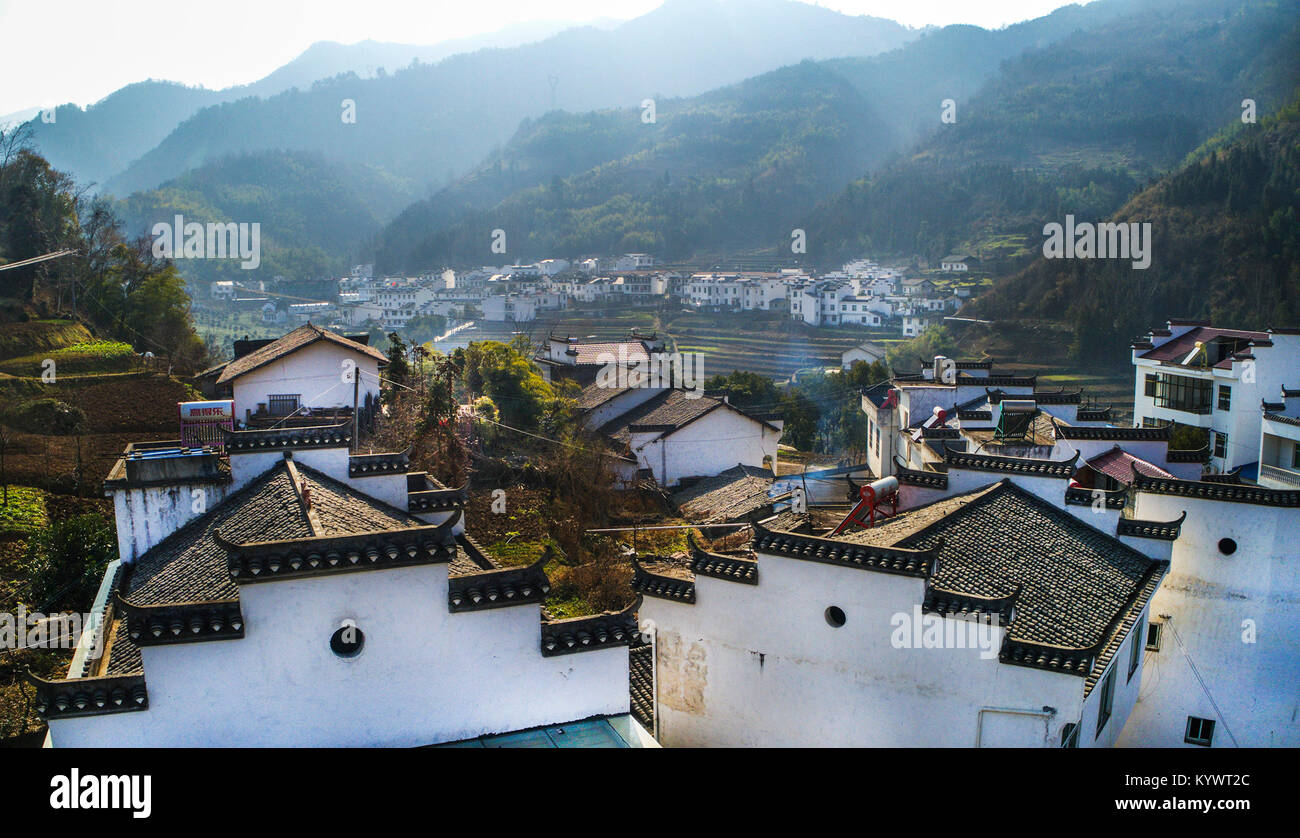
(706, 447)
(424, 675)
(759, 666)
(1209, 597)
(314, 372)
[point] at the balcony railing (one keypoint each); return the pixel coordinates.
(1281, 475)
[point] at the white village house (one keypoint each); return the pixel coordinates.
(1208, 377)
(672, 434)
(308, 370)
(317, 597)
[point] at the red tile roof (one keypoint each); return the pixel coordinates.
(1175, 350)
(1119, 464)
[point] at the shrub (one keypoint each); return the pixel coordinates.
(47, 416)
(66, 562)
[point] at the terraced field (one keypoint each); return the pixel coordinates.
(760, 342)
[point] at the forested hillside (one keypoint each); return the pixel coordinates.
(1075, 127)
(313, 212)
(724, 169)
(1226, 246)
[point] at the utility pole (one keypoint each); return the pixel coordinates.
(356, 395)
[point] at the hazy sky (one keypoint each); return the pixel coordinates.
(57, 51)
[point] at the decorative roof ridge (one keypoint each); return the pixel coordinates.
(1160, 434)
(181, 622)
(947, 602)
(1164, 531)
(1279, 417)
(94, 696)
(597, 631)
(1019, 465)
(895, 560)
(1081, 496)
(715, 565)
(1188, 455)
(500, 587)
(1060, 397)
(310, 436)
(295, 557)
(370, 465)
(914, 477)
(1230, 492)
(436, 500)
(303, 493)
(660, 585)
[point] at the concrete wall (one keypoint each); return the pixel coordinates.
(424, 675)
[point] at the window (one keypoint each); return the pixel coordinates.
(348, 640)
(1107, 700)
(1150, 384)
(1153, 637)
(1178, 392)
(1225, 397)
(1134, 653)
(1220, 444)
(1295, 456)
(835, 616)
(283, 404)
(1070, 736)
(1199, 731)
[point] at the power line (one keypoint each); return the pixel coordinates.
(1204, 687)
(35, 259)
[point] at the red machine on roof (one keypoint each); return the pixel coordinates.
(873, 498)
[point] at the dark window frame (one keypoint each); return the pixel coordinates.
(1225, 397)
(1107, 701)
(1134, 654)
(275, 401)
(1204, 728)
(1154, 632)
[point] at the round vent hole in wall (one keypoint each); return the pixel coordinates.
(835, 616)
(347, 641)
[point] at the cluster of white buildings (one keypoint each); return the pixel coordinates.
(862, 293)
(1022, 573)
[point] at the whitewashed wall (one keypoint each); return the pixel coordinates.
(706, 447)
(147, 515)
(760, 666)
(1209, 597)
(424, 676)
(314, 372)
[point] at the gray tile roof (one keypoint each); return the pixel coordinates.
(1074, 581)
(190, 566)
(729, 496)
(304, 335)
(670, 410)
